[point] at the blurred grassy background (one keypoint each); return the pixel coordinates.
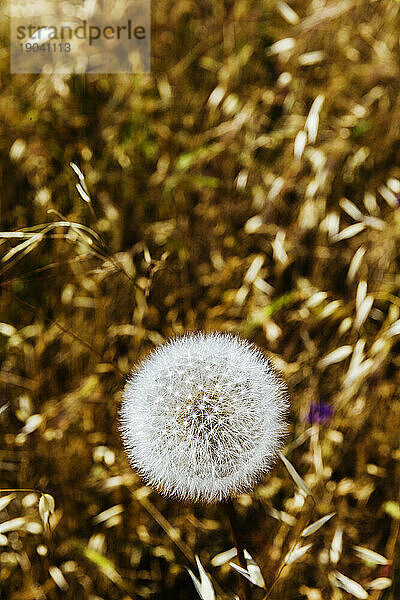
(250, 183)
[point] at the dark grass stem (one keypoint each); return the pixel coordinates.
(300, 527)
(69, 332)
(231, 512)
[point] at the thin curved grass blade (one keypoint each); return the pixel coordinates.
(295, 476)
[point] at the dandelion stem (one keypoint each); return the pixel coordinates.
(231, 512)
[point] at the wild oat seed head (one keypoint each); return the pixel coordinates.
(203, 417)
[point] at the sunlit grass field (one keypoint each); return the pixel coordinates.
(249, 184)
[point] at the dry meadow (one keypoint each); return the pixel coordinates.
(249, 184)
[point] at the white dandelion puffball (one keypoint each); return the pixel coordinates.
(203, 417)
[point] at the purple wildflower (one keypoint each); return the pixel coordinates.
(320, 413)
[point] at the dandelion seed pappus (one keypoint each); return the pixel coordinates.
(203, 417)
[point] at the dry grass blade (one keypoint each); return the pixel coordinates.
(320, 16)
(287, 12)
(349, 585)
(296, 553)
(299, 144)
(283, 516)
(361, 293)
(88, 236)
(330, 309)
(82, 193)
(311, 58)
(5, 501)
(363, 311)
(355, 263)
(336, 546)
(77, 171)
(78, 227)
(171, 531)
(203, 586)
(388, 195)
(6, 405)
(253, 572)
(351, 209)
(284, 45)
(12, 524)
(310, 529)
(393, 330)
(24, 248)
(16, 235)
(32, 423)
(46, 508)
(58, 578)
(380, 583)
(242, 571)
(299, 481)
(105, 565)
(358, 367)
(223, 557)
(370, 556)
(312, 121)
(349, 232)
(108, 514)
(336, 356)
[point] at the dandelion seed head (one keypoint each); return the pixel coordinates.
(203, 417)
